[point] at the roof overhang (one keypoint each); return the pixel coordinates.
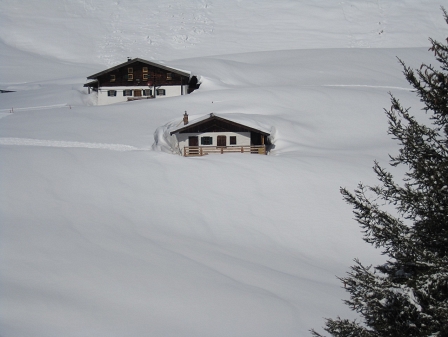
(161, 66)
(214, 117)
(92, 84)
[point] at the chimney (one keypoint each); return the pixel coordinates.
(129, 59)
(185, 118)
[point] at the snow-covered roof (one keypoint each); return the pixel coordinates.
(129, 62)
(236, 119)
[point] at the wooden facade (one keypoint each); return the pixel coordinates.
(140, 73)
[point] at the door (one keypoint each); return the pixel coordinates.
(221, 141)
(137, 93)
(193, 141)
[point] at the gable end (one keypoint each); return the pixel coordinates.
(217, 124)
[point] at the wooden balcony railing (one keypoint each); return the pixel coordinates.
(190, 151)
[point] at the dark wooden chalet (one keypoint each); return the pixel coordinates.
(138, 78)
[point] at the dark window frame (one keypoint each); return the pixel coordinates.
(127, 92)
(232, 140)
(207, 140)
(112, 93)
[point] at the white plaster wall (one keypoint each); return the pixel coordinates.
(103, 99)
(173, 90)
(242, 138)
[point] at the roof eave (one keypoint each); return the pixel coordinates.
(220, 118)
(180, 72)
(91, 84)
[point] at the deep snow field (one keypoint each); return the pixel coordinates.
(104, 231)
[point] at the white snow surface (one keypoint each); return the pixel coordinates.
(105, 232)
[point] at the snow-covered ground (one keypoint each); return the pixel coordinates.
(105, 232)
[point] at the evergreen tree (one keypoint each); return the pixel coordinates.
(408, 295)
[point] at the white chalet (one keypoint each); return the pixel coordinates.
(214, 134)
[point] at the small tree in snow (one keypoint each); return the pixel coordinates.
(408, 295)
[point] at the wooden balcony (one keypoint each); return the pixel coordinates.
(190, 151)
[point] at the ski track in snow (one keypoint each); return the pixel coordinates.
(366, 86)
(61, 143)
(41, 107)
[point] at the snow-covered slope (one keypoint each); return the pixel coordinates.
(106, 32)
(104, 232)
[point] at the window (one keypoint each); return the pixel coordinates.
(232, 140)
(127, 92)
(130, 77)
(147, 92)
(160, 92)
(145, 77)
(169, 77)
(145, 69)
(112, 78)
(206, 141)
(112, 93)
(130, 70)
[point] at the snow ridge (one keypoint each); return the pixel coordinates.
(61, 143)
